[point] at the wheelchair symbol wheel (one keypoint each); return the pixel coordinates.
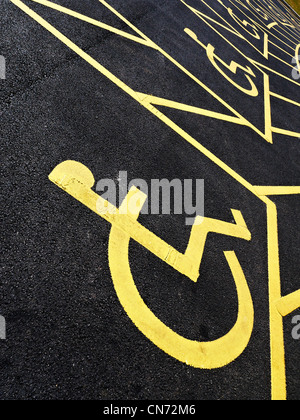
(204, 355)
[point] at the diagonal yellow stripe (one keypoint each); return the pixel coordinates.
(140, 40)
(289, 304)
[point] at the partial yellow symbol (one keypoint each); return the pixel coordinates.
(239, 120)
(279, 306)
(233, 67)
(276, 323)
(289, 304)
(269, 130)
(297, 57)
(77, 180)
(139, 39)
(245, 25)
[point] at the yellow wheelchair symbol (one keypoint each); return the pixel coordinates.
(77, 180)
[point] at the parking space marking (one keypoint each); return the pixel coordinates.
(289, 304)
(76, 180)
(276, 300)
(267, 135)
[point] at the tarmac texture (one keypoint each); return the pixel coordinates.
(105, 306)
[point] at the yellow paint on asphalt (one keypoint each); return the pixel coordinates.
(124, 227)
(276, 302)
(278, 377)
(297, 57)
(267, 135)
(283, 98)
(154, 100)
(78, 181)
(208, 355)
(267, 191)
(94, 22)
(288, 304)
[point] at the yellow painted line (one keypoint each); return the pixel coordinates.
(278, 372)
(266, 46)
(135, 96)
(293, 31)
(288, 10)
(75, 48)
(270, 190)
(276, 72)
(283, 98)
(288, 33)
(77, 180)
(285, 132)
(268, 135)
(297, 56)
(94, 22)
(288, 304)
(233, 67)
(278, 305)
(113, 78)
(225, 26)
(268, 114)
(267, 97)
(203, 355)
(233, 29)
(88, 197)
(204, 151)
(244, 24)
(272, 25)
(290, 55)
(154, 100)
(248, 72)
(282, 61)
(144, 39)
(283, 20)
(264, 24)
(256, 20)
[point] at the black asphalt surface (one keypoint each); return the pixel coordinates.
(68, 337)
